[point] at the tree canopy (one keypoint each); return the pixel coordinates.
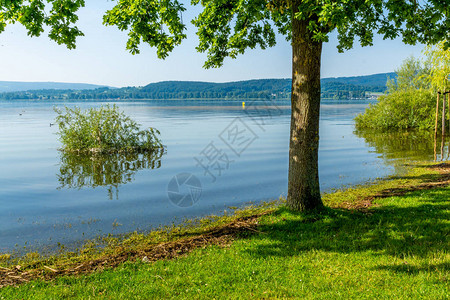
(412, 74)
(228, 28)
(438, 59)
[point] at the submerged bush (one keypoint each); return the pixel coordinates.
(400, 109)
(103, 130)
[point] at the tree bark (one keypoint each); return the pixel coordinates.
(303, 182)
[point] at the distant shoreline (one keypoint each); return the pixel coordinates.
(278, 89)
(177, 99)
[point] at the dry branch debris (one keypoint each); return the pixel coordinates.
(221, 236)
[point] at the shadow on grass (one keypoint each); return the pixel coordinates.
(409, 269)
(425, 178)
(418, 224)
(426, 182)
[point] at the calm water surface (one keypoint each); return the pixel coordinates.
(237, 156)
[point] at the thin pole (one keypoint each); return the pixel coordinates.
(443, 128)
(435, 126)
(448, 105)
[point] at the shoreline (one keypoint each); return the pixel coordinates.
(178, 241)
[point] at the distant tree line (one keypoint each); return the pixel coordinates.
(339, 90)
(264, 88)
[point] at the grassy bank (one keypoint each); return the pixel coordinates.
(390, 239)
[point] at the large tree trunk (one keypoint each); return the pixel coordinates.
(303, 187)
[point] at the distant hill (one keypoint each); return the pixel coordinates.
(17, 86)
(193, 86)
(367, 80)
(336, 88)
(197, 89)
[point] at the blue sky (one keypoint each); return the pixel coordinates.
(101, 58)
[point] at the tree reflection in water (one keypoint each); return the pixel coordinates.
(397, 148)
(107, 170)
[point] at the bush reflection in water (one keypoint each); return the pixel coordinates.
(104, 170)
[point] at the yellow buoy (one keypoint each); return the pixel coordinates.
(243, 104)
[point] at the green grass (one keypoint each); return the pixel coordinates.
(398, 249)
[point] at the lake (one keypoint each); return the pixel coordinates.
(218, 156)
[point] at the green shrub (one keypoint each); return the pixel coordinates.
(103, 130)
(400, 109)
